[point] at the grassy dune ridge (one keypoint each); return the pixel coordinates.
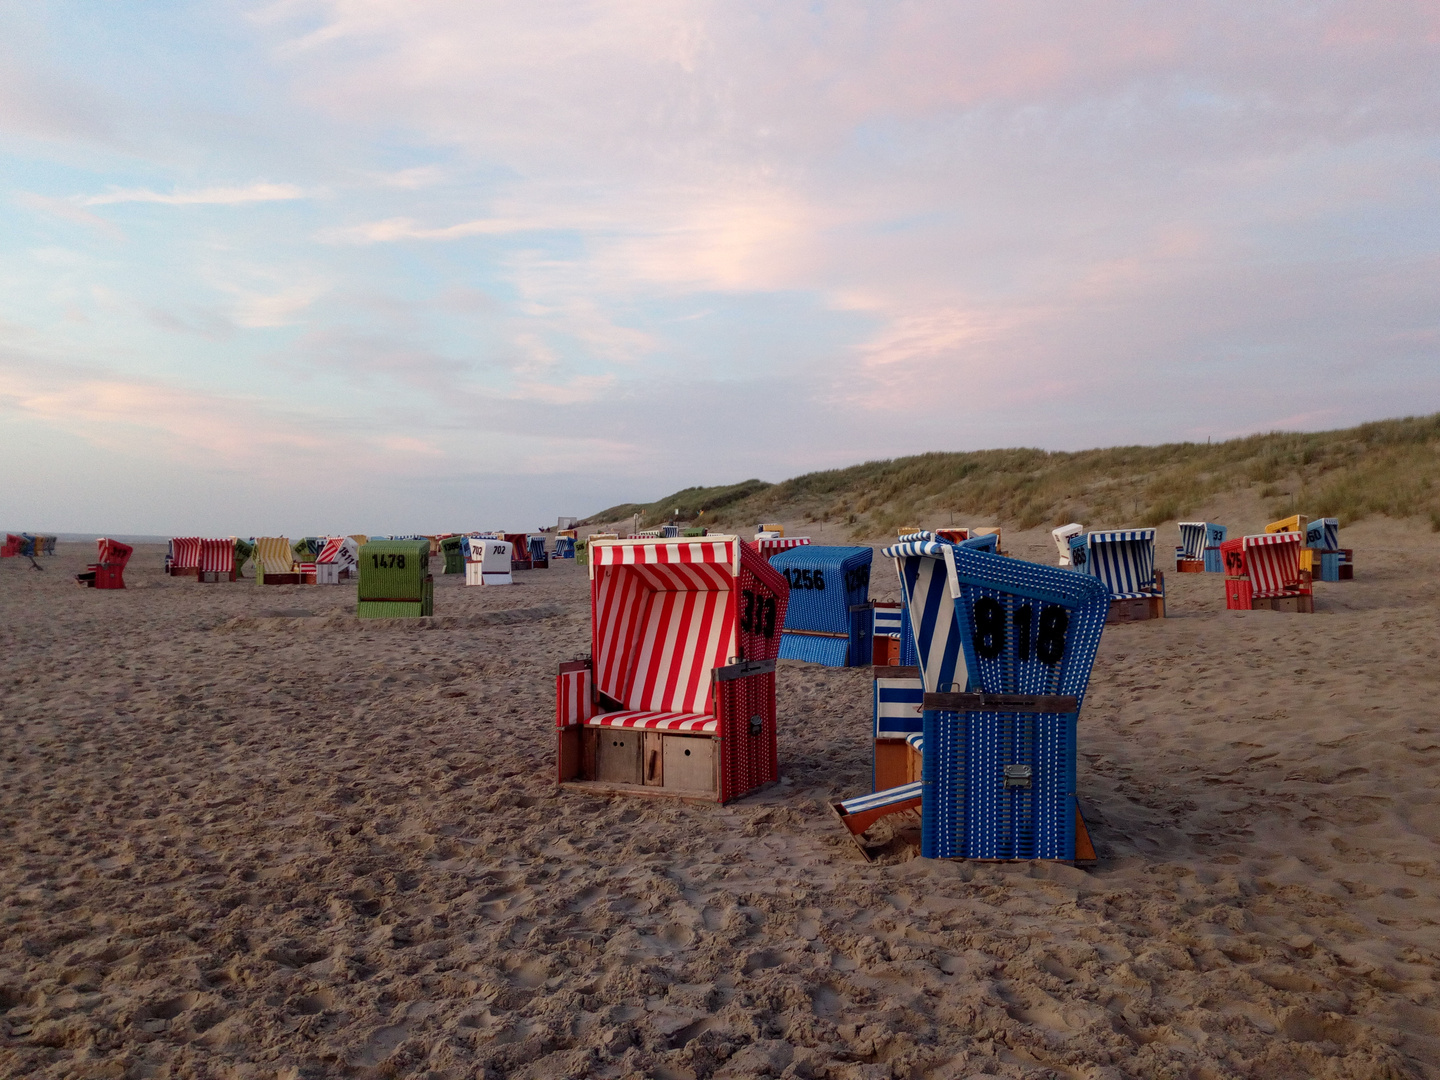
(1388, 467)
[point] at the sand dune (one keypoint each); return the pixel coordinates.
(244, 835)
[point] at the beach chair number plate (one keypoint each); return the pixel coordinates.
(758, 616)
(805, 579)
(815, 579)
(988, 619)
(392, 561)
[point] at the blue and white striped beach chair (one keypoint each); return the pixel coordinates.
(829, 618)
(1200, 542)
(1124, 561)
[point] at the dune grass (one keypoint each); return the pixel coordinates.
(1389, 467)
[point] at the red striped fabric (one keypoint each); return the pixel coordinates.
(185, 552)
(1273, 561)
(572, 698)
(217, 556)
(331, 550)
(768, 546)
(663, 616)
(652, 552)
(657, 721)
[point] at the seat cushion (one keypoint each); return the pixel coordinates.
(698, 723)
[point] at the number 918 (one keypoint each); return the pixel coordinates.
(988, 617)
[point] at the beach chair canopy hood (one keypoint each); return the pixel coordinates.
(1125, 561)
(665, 613)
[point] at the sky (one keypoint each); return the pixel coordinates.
(329, 266)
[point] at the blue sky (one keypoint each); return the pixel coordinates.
(361, 265)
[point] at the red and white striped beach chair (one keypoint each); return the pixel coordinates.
(1272, 565)
(679, 698)
(184, 558)
(773, 545)
(337, 561)
(217, 560)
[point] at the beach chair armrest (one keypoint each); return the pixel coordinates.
(744, 669)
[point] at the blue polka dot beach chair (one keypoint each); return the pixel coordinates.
(1005, 650)
(678, 695)
(829, 618)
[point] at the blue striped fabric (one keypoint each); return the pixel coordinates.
(1192, 538)
(1125, 561)
(1323, 534)
(924, 567)
(564, 547)
(888, 797)
(988, 542)
(887, 621)
(898, 704)
(916, 742)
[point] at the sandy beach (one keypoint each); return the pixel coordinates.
(244, 835)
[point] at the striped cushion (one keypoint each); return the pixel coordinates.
(877, 799)
(1134, 595)
(657, 721)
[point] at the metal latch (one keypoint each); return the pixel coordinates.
(1017, 776)
(757, 724)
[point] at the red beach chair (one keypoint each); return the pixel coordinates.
(679, 698)
(1263, 572)
(184, 556)
(109, 572)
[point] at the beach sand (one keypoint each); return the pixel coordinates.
(244, 835)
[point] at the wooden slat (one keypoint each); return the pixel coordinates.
(1021, 703)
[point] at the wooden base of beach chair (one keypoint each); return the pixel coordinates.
(896, 763)
(1190, 566)
(212, 576)
(1085, 855)
(633, 761)
(184, 571)
(1300, 605)
(279, 579)
(1136, 610)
